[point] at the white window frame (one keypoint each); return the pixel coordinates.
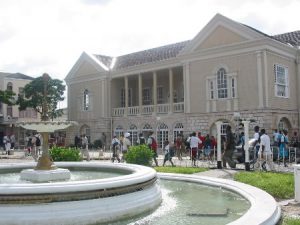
(86, 100)
(147, 96)
(123, 97)
(160, 94)
(284, 82)
(222, 84)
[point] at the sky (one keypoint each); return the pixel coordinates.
(38, 36)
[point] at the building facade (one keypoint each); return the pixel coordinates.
(10, 115)
(228, 72)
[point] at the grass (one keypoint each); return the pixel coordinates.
(183, 170)
(290, 221)
(279, 185)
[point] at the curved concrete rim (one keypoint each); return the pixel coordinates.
(139, 174)
(264, 209)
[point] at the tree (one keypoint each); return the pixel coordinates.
(43, 94)
(7, 97)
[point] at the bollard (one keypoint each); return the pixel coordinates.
(297, 182)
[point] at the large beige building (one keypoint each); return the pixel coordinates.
(226, 72)
(10, 115)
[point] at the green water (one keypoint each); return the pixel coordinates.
(187, 203)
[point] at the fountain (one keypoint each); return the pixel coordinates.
(42, 197)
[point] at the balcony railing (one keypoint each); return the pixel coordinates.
(149, 109)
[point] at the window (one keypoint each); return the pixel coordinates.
(86, 100)
(160, 96)
(133, 134)
(146, 96)
(211, 90)
(281, 81)
(223, 129)
(178, 130)
(222, 83)
(119, 131)
(232, 88)
(175, 97)
(123, 97)
(9, 86)
(162, 135)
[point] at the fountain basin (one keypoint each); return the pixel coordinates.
(45, 175)
(112, 199)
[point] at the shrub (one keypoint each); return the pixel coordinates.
(97, 144)
(65, 154)
(139, 154)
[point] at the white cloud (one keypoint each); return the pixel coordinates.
(49, 36)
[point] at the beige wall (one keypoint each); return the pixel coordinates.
(220, 36)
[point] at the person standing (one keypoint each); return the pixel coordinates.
(115, 143)
(178, 143)
(229, 148)
(6, 142)
(151, 142)
(257, 140)
(126, 145)
(141, 140)
(12, 141)
(169, 152)
(283, 151)
(77, 141)
(265, 153)
(194, 143)
(85, 146)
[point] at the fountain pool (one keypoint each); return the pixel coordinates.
(131, 194)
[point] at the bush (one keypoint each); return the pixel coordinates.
(139, 154)
(65, 154)
(97, 144)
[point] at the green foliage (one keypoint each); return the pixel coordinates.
(97, 143)
(279, 185)
(34, 96)
(184, 170)
(65, 154)
(139, 154)
(7, 97)
(290, 221)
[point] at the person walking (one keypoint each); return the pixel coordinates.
(178, 143)
(85, 147)
(141, 140)
(229, 148)
(12, 141)
(7, 145)
(115, 143)
(194, 143)
(151, 142)
(265, 153)
(169, 152)
(126, 145)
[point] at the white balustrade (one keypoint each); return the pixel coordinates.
(178, 107)
(118, 111)
(133, 111)
(163, 108)
(147, 109)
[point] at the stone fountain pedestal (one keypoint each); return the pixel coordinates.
(34, 175)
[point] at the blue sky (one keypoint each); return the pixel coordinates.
(38, 36)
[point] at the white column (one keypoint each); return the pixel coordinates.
(186, 80)
(154, 92)
(298, 86)
(266, 78)
(246, 146)
(140, 93)
(219, 154)
(103, 97)
(259, 79)
(126, 95)
(171, 89)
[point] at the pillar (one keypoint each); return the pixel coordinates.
(154, 92)
(219, 145)
(171, 89)
(126, 96)
(140, 93)
(246, 147)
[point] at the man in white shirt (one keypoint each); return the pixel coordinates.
(194, 142)
(256, 137)
(265, 153)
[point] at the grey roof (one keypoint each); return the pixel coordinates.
(171, 51)
(143, 57)
(16, 76)
(292, 38)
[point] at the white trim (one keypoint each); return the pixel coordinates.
(266, 78)
(259, 79)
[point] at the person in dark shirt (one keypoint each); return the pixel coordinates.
(229, 148)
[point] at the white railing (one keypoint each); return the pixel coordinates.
(133, 111)
(118, 111)
(163, 108)
(178, 107)
(147, 109)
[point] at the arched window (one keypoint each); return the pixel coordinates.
(178, 130)
(162, 134)
(86, 100)
(222, 83)
(119, 131)
(133, 134)
(9, 86)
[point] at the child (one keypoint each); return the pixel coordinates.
(169, 152)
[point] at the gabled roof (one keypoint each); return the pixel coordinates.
(16, 76)
(292, 38)
(172, 50)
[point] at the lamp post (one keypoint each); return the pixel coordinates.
(219, 143)
(246, 146)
